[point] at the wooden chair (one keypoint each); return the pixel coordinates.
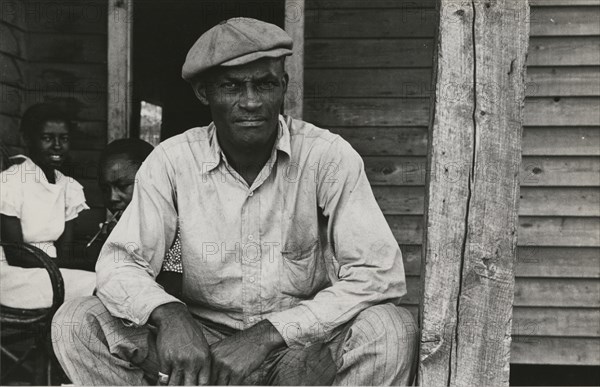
(24, 325)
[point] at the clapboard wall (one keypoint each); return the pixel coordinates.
(55, 51)
(368, 71)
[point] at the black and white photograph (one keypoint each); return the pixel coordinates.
(300, 192)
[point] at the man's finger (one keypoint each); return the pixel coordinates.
(190, 377)
(204, 375)
(176, 376)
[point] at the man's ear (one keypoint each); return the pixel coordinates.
(200, 91)
(286, 81)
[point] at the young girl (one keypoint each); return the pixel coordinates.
(37, 206)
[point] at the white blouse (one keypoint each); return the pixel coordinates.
(42, 207)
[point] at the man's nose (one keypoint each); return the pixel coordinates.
(250, 99)
(114, 195)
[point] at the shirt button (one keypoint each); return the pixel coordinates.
(251, 279)
(251, 319)
(251, 193)
(250, 237)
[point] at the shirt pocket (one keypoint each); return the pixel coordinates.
(302, 272)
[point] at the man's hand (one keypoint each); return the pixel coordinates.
(183, 351)
(237, 356)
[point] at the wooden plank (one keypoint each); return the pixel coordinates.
(563, 81)
(559, 231)
(535, 171)
(65, 48)
(70, 16)
(377, 141)
(557, 292)
(120, 18)
(408, 230)
(372, 53)
(572, 322)
(12, 70)
(12, 41)
(328, 112)
(533, 261)
(561, 141)
(564, 262)
(367, 112)
(361, 4)
(412, 141)
(563, 3)
(402, 83)
(556, 350)
(560, 171)
(565, 21)
(370, 23)
(535, 292)
(11, 99)
(564, 51)
(563, 201)
(566, 111)
(417, 52)
(294, 65)
(70, 77)
(399, 22)
(534, 201)
(81, 106)
(9, 130)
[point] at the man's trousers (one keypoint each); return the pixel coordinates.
(377, 347)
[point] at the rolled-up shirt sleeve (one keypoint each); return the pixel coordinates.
(133, 254)
(366, 256)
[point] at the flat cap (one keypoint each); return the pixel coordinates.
(235, 42)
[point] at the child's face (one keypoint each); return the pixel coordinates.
(117, 177)
(49, 146)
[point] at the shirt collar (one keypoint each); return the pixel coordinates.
(216, 155)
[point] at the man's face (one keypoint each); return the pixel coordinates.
(117, 175)
(245, 101)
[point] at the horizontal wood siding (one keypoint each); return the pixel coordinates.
(368, 78)
(56, 52)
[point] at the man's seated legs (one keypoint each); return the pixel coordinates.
(95, 348)
(377, 348)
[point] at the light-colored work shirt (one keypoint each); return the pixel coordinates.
(305, 246)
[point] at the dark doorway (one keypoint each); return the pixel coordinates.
(163, 32)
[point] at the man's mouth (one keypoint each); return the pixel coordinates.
(56, 157)
(250, 122)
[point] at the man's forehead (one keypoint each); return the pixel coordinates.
(257, 69)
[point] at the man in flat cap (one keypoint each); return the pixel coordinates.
(290, 271)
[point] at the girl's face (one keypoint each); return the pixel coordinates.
(49, 146)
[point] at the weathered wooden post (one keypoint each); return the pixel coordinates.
(472, 192)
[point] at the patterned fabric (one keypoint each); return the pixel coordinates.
(173, 258)
(305, 246)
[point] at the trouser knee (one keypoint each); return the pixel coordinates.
(389, 324)
(77, 322)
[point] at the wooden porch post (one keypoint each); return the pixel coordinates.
(294, 65)
(472, 192)
(120, 18)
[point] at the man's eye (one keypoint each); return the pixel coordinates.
(64, 139)
(269, 85)
(230, 86)
(46, 138)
